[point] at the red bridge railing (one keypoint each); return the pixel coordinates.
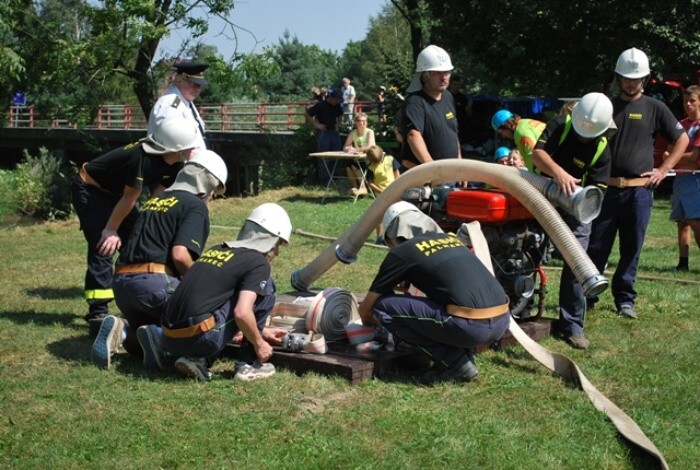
(223, 117)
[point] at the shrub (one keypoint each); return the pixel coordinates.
(41, 186)
(289, 165)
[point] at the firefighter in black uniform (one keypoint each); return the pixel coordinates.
(464, 305)
(169, 236)
(574, 151)
(105, 193)
(227, 290)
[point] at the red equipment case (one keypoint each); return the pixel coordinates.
(486, 206)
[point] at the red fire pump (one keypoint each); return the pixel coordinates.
(519, 246)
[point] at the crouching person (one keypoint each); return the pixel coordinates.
(168, 237)
(228, 289)
(464, 305)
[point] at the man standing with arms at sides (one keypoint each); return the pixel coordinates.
(179, 99)
(349, 96)
(429, 121)
(627, 204)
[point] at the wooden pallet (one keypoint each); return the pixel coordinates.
(344, 360)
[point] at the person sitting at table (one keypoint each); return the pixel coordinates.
(359, 140)
(382, 170)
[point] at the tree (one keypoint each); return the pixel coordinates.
(532, 48)
(300, 68)
(81, 52)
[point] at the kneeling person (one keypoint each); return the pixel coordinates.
(169, 236)
(464, 307)
(225, 291)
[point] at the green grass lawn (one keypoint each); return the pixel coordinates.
(59, 411)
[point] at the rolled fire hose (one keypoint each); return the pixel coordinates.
(443, 171)
(330, 312)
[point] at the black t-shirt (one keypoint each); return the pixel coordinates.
(167, 219)
(131, 166)
(218, 275)
(637, 122)
(437, 123)
(443, 269)
(326, 114)
(575, 155)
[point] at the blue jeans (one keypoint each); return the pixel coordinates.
(441, 336)
(627, 211)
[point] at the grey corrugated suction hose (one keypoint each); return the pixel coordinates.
(584, 204)
(443, 171)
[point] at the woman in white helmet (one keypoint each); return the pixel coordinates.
(464, 305)
(227, 290)
(573, 150)
(169, 236)
(429, 120)
(628, 200)
(105, 193)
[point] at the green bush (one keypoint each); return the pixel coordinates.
(289, 165)
(41, 186)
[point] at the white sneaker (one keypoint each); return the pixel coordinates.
(254, 371)
(194, 367)
(107, 342)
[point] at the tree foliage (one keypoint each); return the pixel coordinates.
(73, 55)
(563, 48)
(81, 54)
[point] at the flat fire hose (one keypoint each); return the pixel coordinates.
(565, 367)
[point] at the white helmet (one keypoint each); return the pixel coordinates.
(173, 134)
(433, 58)
(397, 209)
(214, 164)
(592, 115)
(632, 64)
(273, 218)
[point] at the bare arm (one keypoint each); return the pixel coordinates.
(110, 241)
(365, 309)
(418, 147)
(182, 258)
(245, 320)
(566, 183)
(675, 152)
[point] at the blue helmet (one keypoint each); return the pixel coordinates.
(500, 118)
(501, 152)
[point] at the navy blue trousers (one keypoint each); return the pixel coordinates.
(142, 298)
(625, 211)
(426, 324)
(210, 344)
(572, 301)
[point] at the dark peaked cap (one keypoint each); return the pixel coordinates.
(192, 71)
